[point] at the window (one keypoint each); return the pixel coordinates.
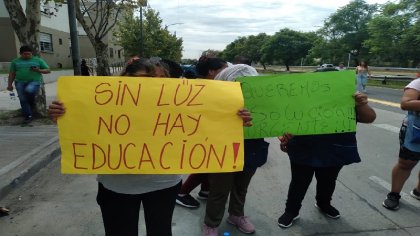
(119, 53)
(45, 41)
(60, 41)
(111, 52)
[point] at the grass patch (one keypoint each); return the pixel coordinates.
(395, 84)
(14, 117)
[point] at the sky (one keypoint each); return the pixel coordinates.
(205, 24)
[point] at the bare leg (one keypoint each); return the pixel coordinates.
(400, 174)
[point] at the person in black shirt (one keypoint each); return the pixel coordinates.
(84, 68)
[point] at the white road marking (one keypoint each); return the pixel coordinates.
(388, 127)
(406, 197)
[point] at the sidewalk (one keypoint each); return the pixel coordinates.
(25, 150)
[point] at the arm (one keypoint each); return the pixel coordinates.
(365, 114)
(43, 71)
(410, 100)
(43, 68)
(11, 79)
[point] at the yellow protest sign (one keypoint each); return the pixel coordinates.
(132, 125)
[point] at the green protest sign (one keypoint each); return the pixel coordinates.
(301, 104)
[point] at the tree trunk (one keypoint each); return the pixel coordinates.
(26, 27)
(101, 51)
(263, 64)
(40, 102)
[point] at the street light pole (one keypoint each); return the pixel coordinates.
(178, 23)
(141, 33)
(74, 38)
(348, 61)
(141, 3)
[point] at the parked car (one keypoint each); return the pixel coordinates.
(326, 67)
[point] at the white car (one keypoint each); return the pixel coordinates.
(326, 67)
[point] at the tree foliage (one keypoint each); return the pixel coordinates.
(394, 35)
(157, 40)
(98, 18)
(26, 25)
(249, 47)
(287, 46)
(345, 31)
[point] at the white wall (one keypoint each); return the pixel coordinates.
(3, 11)
(58, 22)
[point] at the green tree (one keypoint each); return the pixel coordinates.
(394, 35)
(98, 19)
(345, 30)
(237, 47)
(157, 40)
(287, 46)
(26, 24)
(253, 48)
(249, 46)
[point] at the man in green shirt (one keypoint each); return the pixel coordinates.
(26, 71)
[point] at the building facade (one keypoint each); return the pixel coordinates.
(54, 35)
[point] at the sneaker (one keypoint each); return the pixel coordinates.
(187, 201)
(202, 195)
(392, 201)
(286, 220)
(415, 194)
(329, 211)
(4, 211)
(209, 231)
(242, 223)
(28, 119)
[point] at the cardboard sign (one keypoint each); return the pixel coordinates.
(132, 125)
(301, 103)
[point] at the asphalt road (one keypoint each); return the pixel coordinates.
(54, 204)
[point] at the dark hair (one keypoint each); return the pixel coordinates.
(137, 65)
(175, 70)
(239, 59)
(364, 62)
(83, 61)
(205, 64)
(25, 48)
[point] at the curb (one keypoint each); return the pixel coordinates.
(24, 167)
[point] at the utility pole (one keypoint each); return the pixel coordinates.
(74, 38)
(142, 3)
(141, 33)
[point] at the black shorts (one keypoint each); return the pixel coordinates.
(409, 155)
(405, 153)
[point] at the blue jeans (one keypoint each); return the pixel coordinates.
(26, 92)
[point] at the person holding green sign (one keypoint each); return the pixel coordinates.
(323, 156)
(231, 185)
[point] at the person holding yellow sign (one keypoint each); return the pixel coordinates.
(121, 195)
(323, 156)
